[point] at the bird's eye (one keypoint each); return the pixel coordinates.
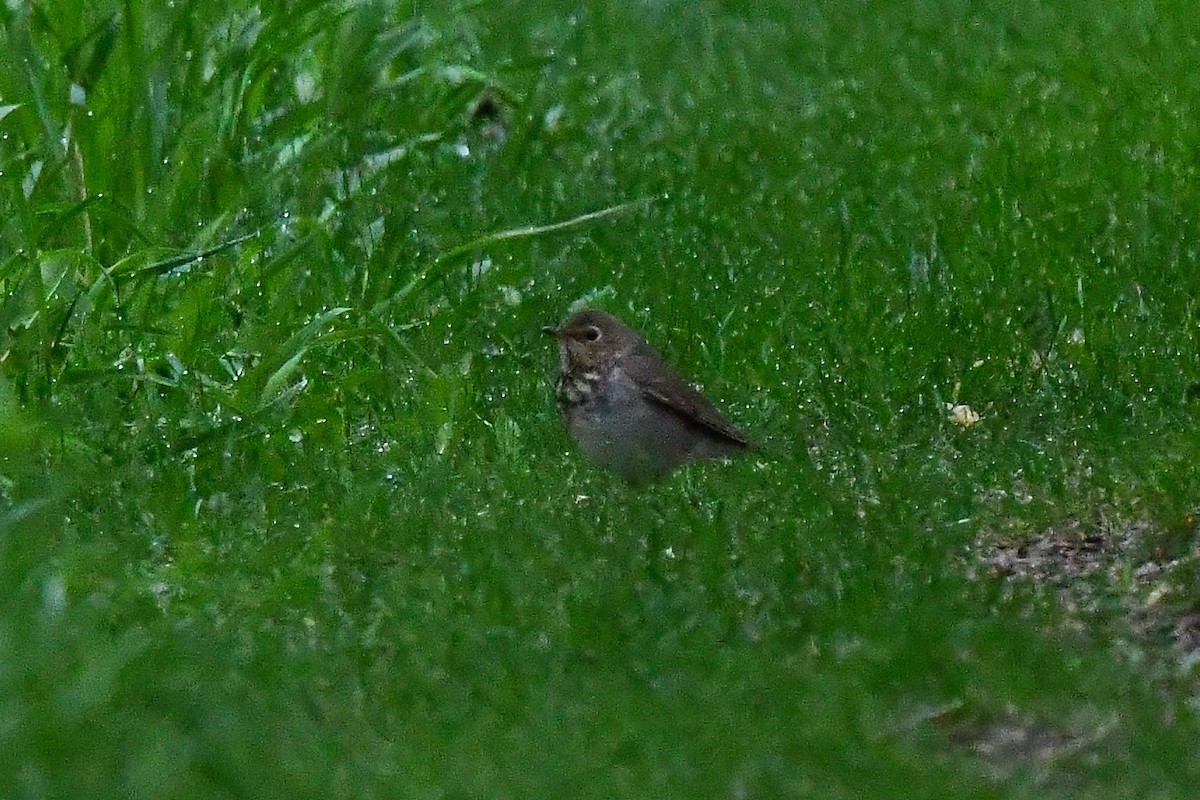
(592, 334)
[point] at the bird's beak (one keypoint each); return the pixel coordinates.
(550, 329)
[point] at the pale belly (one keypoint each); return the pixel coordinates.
(640, 439)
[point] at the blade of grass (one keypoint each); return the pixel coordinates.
(525, 232)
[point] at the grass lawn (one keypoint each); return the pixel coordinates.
(286, 509)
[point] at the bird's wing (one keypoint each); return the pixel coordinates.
(662, 385)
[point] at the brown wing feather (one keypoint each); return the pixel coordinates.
(661, 384)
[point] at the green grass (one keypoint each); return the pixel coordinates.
(285, 507)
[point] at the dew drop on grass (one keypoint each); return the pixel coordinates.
(54, 594)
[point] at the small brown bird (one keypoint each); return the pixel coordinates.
(627, 409)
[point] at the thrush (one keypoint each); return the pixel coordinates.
(627, 409)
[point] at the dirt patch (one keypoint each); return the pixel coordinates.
(1010, 741)
(1130, 582)
(1135, 576)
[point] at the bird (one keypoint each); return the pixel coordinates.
(627, 409)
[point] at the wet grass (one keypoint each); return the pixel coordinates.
(287, 511)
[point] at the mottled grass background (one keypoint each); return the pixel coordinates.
(285, 508)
